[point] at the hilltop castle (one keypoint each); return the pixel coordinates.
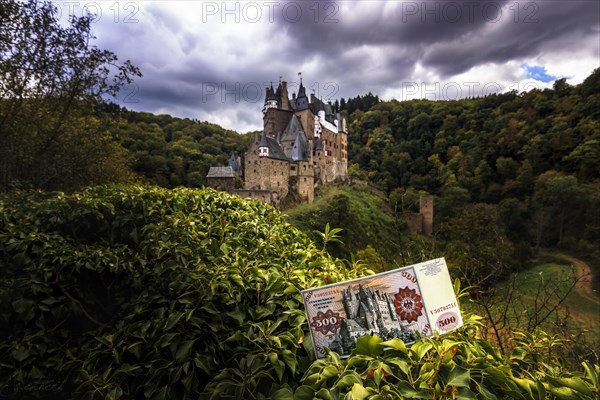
(303, 144)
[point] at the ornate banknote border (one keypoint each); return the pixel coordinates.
(397, 303)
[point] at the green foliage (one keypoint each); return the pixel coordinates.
(329, 235)
(142, 292)
(365, 218)
(170, 151)
(53, 82)
(478, 250)
(486, 150)
(455, 366)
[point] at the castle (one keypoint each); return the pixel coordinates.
(303, 143)
(368, 311)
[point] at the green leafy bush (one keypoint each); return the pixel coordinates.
(456, 366)
(142, 292)
(146, 293)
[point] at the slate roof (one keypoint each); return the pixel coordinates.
(291, 130)
(275, 150)
(300, 147)
(221, 172)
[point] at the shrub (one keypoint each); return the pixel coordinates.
(146, 293)
(142, 292)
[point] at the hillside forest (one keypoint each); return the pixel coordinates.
(122, 276)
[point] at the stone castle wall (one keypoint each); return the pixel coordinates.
(264, 196)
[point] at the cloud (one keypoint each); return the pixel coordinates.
(207, 59)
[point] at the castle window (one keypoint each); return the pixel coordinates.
(304, 179)
(293, 168)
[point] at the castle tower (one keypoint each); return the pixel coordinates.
(276, 110)
(302, 145)
(426, 210)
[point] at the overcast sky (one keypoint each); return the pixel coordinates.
(211, 60)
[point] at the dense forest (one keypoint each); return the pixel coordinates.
(523, 164)
(170, 151)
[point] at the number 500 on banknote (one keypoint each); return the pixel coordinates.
(392, 304)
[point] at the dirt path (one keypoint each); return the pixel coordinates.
(584, 273)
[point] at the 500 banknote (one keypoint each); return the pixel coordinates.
(393, 304)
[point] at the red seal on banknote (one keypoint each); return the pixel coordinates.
(327, 321)
(408, 304)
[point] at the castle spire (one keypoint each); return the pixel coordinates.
(270, 99)
(263, 147)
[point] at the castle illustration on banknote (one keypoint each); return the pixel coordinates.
(393, 304)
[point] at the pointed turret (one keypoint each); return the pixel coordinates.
(263, 147)
(234, 164)
(270, 99)
(301, 100)
(300, 147)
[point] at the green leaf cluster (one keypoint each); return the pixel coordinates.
(456, 366)
(149, 293)
(144, 292)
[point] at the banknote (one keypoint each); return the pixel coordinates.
(393, 304)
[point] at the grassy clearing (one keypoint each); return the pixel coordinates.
(536, 298)
(366, 220)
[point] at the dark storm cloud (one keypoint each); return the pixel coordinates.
(339, 25)
(212, 67)
(451, 36)
(537, 26)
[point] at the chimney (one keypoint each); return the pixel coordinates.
(285, 101)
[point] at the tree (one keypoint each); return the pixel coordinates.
(53, 81)
(562, 197)
(477, 248)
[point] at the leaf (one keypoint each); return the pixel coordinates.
(323, 394)
(204, 363)
(459, 377)
(20, 353)
(24, 308)
(304, 393)
(359, 392)
(289, 359)
(396, 344)
(464, 393)
(407, 390)
(420, 348)
(403, 365)
(173, 319)
(524, 384)
(563, 393)
(127, 369)
(368, 345)
(347, 380)
(485, 392)
(574, 383)
(277, 364)
(283, 394)
(592, 373)
(328, 372)
(184, 349)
